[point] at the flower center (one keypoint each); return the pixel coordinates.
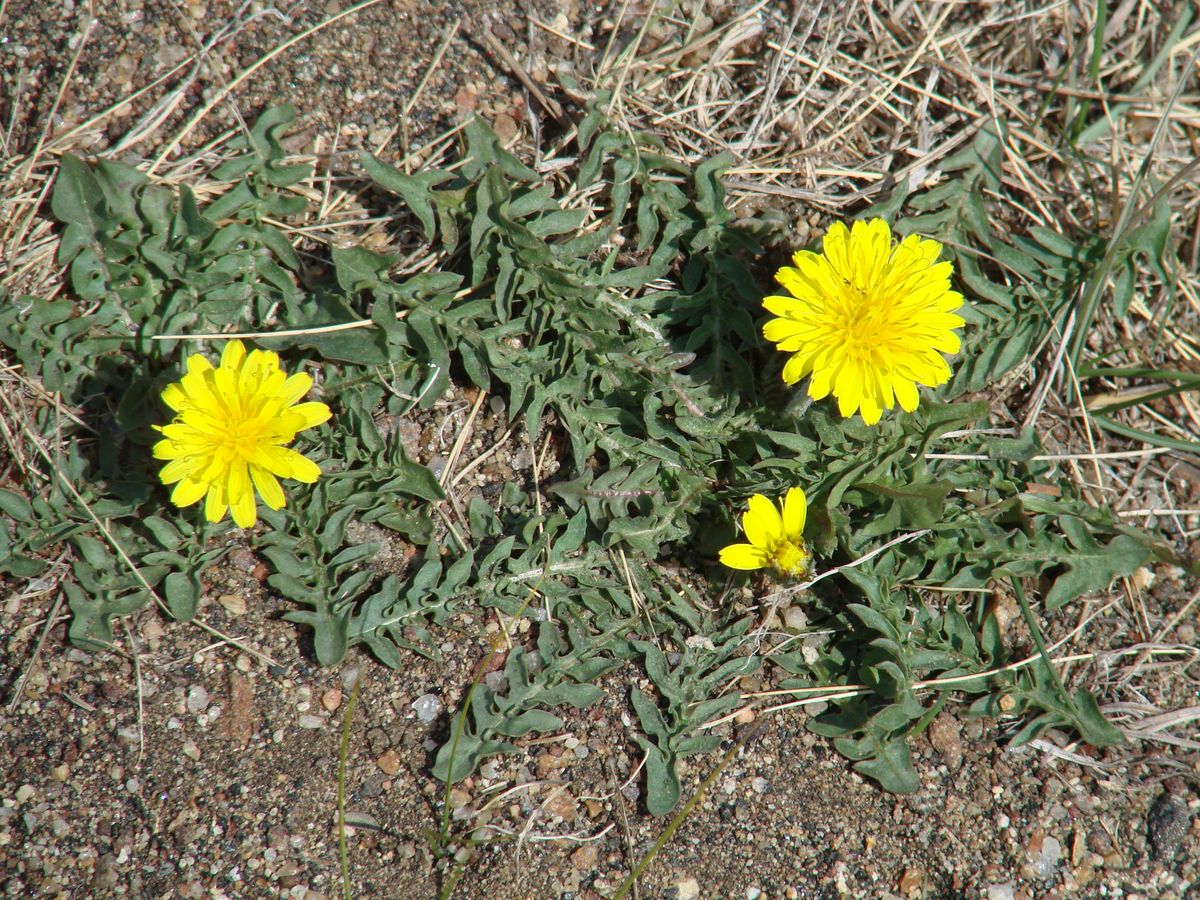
(790, 558)
(241, 437)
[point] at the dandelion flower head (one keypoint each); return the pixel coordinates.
(230, 430)
(776, 536)
(867, 319)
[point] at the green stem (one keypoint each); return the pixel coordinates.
(341, 788)
(460, 724)
(685, 811)
(1039, 641)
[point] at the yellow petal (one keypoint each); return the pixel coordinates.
(178, 469)
(906, 393)
(215, 506)
(268, 487)
(762, 523)
(313, 413)
(744, 556)
(304, 469)
(233, 355)
(295, 387)
(795, 511)
(188, 492)
(795, 369)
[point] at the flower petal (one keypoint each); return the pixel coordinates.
(227, 439)
(268, 487)
(867, 318)
(795, 511)
(745, 557)
(762, 523)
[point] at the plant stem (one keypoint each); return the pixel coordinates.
(341, 787)
(685, 811)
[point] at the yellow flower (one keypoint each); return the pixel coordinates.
(869, 320)
(229, 433)
(776, 536)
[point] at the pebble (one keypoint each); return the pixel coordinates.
(197, 698)
(912, 881)
(235, 604)
(238, 725)
(61, 772)
(427, 707)
(332, 699)
(564, 806)
(1005, 891)
(687, 889)
(191, 751)
(584, 858)
(795, 617)
(1099, 842)
(243, 663)
(1166, 824)
(1045, 864)
(760, 785)
(388, 761)
(24, 792)
(497, 682)
(308, 720)
(945, 734)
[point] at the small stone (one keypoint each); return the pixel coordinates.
(427, 707)
(61, 772)
(505, 127)
(795, 617)
(497, 682)
(331, 699)
(152, 633)
(564, 806)
(308, 720)
(1078, 847)
(466, 100)
(1005, 891)
(238, 724)
(1045, 864)
(197, 699)
(1166, 824)
(945, 733)
(1099, 842)
(388, 761)
(744, 716)
(235, 604)
(191, 751)
(24, 792)
(911, 881)
(584, 858)
(760, 785)
(243, 663)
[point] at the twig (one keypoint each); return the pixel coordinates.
(547, 103)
